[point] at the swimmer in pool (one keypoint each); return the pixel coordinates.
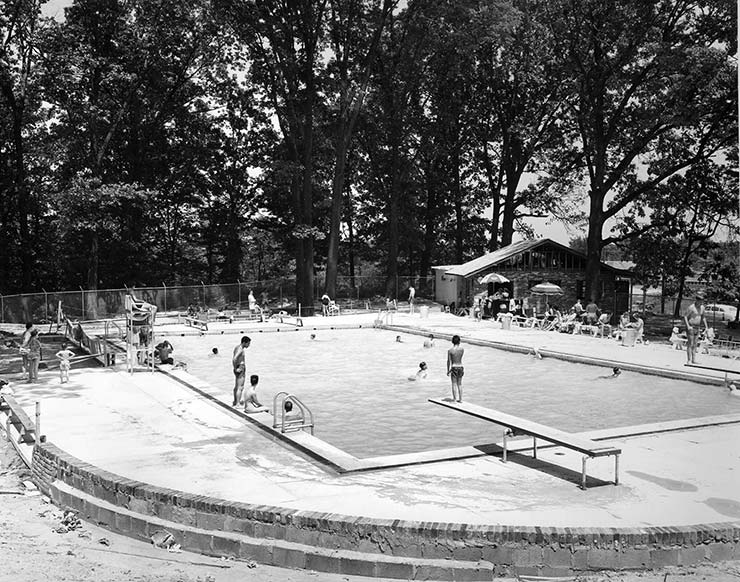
(398, 339)
(455, 368)
(615, 374)
(240, 368)
(214, 351)
(429, 342)
(421, 373)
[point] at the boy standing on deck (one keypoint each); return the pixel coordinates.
(240, 368)
(455, 368)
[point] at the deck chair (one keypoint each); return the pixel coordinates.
(677, 341)
(640, 332)
(332, 308)
(706, 341)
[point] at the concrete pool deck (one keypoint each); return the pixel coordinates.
(147, 431)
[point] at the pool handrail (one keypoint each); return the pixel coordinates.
(304, 410)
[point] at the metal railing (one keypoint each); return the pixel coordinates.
(301, 421)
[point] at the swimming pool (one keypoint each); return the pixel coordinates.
(356, 384)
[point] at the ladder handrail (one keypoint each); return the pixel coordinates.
(305, 412)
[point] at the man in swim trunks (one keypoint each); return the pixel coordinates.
(455, 368)
(694, 319)
(240, 368)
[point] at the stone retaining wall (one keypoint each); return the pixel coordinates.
(509, 549)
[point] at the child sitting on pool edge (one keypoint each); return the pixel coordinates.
(251, 404)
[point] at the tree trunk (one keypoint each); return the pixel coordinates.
(351, 240)
(507, 224)
(26, 251)
(593, 248)
(494, 186)
(332, 259)
(457, 196)
(430, 223)
(394, 209)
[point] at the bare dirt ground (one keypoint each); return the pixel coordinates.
(33, 550)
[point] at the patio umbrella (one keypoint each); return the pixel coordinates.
(492, 278)
(546, 289)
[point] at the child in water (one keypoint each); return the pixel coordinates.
(421, 373)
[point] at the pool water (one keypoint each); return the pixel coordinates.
(356, 384)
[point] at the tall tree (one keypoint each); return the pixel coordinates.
(20, 53)
(355, 30)
(655, 92)
(286, 40)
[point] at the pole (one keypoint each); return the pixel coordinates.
(238, 295)
(82, 304)
(2, 307)
(38, 421)
(204, 295)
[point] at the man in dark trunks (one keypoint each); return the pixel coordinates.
(240, 368)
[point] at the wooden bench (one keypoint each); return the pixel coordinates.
(194, 322)
(589, 448)
(18, 419)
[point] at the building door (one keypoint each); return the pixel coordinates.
(621, 297)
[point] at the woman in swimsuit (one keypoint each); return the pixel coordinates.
(694, 318)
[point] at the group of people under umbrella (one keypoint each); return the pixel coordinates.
(501, 300)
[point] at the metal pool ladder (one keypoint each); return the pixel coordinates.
(299, 418)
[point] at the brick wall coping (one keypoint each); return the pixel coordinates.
(51, 463)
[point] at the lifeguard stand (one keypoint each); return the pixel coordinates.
(140, 317)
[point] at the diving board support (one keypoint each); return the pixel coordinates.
(513, 424)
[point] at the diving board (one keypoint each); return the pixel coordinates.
(587, 447)
(723, 370)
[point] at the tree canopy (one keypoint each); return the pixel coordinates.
(149, 141)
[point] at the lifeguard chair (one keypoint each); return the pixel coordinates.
(140, 317)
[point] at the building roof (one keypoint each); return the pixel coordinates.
(492, 259)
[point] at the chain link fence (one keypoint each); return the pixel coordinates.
(277, 294)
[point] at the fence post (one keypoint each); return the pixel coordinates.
(202, 284)
(238, 295)
(165, 295)
(82, 305)
(38, 422)
(46, 305)
(2, 307)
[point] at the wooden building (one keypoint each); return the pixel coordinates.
(527, 263)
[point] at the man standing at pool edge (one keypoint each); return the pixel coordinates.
(455, 368)
(240, 368)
